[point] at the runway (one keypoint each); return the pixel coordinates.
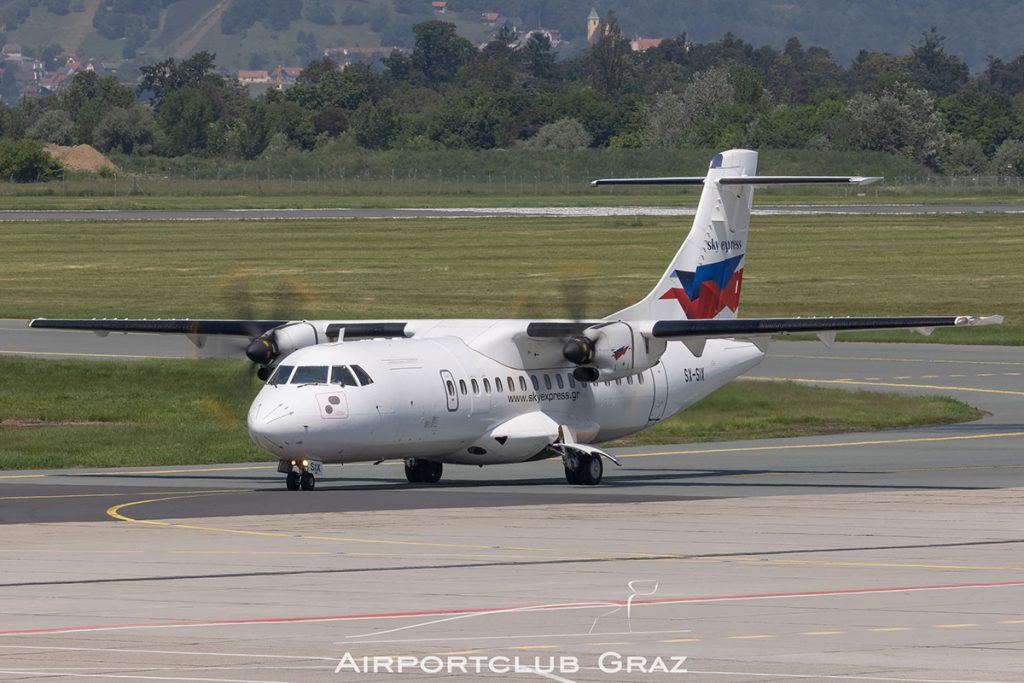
(490, 212)
(893, 556)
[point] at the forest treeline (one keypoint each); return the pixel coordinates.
(447, 94)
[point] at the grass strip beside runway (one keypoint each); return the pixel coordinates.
(510, 267)
(57, 414)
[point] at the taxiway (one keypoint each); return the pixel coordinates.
(891, 556)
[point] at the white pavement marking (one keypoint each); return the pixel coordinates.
(843, 677)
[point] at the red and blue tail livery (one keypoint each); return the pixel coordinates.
(708, 291)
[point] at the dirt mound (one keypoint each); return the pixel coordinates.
(80, 158)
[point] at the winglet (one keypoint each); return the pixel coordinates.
(974, 321)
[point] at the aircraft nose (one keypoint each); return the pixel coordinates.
(271, 424)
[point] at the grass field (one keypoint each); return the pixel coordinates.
(815, 265)
(89, 191)
(88, 414)
(342, 174)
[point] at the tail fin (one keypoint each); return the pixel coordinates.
(703, 280)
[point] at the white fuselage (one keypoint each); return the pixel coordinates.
(472, 392)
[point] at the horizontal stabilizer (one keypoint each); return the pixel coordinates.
(745, 180)
(750, 327)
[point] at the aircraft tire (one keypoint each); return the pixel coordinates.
(572, 476)
(590, 470)
(291, 482)
(307, 481)
(432, 472)
(413, 471)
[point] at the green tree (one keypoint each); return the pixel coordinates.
(88, 99)
(439, 52)
(1009, 158)
(609, 59)
(933, 69)
(167, 76)
(126, 130)
(564, 134)
(537, 57)
(987, 117)
(25, 161)
(53, 126)
(185, 117)
(375, 125)
(901, 120)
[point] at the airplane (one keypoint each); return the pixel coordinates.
(503, 391)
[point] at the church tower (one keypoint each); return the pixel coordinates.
(593, 24)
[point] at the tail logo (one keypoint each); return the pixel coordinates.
(620, 352)
(709, 290)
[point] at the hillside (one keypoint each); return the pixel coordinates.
(248, 34)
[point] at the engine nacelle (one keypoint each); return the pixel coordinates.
(280, 341)
(294, 336)
(619, 350)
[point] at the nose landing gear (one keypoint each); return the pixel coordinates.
(301, 474)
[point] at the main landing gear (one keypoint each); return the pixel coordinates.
(419, 471)
(299, 474)
(583, 468)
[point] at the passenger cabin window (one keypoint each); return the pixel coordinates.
(522, 383)
(364, 378)
(497, 385)
(511, 384)
(340, 374)
(536, 384)
(558, 381)
(462, 386)
(547, 381)
(281, 375)
(640, 378)
(629, 380)
(487, 386)
(476, 387)
(451, 387)
(310, 374)
(572, 381)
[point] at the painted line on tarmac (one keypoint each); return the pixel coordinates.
(488, 611)
(893, 385)
(115, 512)
(841, 677)
(110, 495)
(58, 354)
(843, 444)
(899, 360)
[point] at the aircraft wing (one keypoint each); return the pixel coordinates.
(694, 333)
(241, 328)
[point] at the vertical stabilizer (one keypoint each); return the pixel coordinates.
(704, 278)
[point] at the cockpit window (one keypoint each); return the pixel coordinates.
(281, 375)
(364, 378)
(310, 374)
(340, 374)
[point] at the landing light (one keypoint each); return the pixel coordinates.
(305, 463)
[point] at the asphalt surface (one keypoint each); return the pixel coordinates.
(893, 556)
(979, 455)
(570, 211)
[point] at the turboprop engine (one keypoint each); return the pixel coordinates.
(265, 349)
(611, 350)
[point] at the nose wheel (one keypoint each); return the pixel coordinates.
(299, 475)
